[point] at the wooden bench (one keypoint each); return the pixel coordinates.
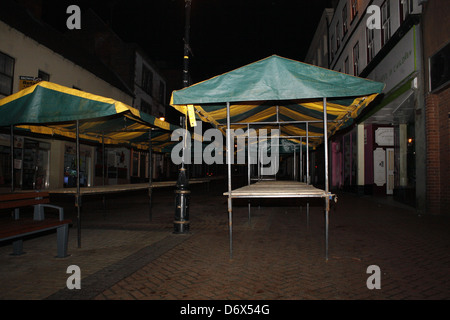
(16, 228)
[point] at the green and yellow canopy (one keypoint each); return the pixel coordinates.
(52, 109)
(276, 89)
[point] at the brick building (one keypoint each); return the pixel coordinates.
(436, 61)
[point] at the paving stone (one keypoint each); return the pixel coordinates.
(127, 256)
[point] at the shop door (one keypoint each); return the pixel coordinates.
(390, 166)
(35, 165)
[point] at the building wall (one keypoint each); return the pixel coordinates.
(30, 57)
(156, 95)
(436, 34)
(390, 54)
(357, 33)
(318, 49)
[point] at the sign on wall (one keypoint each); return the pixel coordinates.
(379, 167)
(384, 136)
(27, 81)
(398, 64)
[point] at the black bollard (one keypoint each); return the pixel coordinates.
(181, 222)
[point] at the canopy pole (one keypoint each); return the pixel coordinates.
(294, 165)
(248, 170)
(181, 222)
(78, 195)
(230, 209)
(301, 160)
(307, 155)
(327, 198)
(186, 43)
(12, 157)
(150, 173)
(248, 153)
(103, 168)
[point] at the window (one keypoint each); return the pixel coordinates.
(354, 8)
(439, 68)
(6, 74)
(370, 44)
(406, 7)
(162, 92)
(319, 57)
(338, 38)
(386, 21)
(146, 107)
(356, 59)
(344, 20)
(44, 76)
(147, 80)
(346, 66)
(332, 47)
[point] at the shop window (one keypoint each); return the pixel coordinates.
(70, 167)
(5, 166)
(347, 160)
(139, 166)
(35, 165)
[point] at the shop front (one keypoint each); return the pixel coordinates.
(378, 154)
(31, 163)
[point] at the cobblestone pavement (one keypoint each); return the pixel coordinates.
(277, 255)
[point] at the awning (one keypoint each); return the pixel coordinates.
(51, 109)
(276, 92)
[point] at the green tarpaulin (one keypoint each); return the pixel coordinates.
(276, 89)
(49, 108)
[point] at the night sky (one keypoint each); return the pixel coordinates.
(224, 34)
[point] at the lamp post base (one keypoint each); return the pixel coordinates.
(181, 222)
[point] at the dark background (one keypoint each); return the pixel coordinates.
(224, 34)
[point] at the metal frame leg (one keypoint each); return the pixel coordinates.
(18, 247)
(307, 214)
(327, 211)
(62, 236)
(249, 214)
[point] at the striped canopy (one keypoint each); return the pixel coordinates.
(52, 109)
(276, 90)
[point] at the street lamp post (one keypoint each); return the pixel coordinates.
(182, 193)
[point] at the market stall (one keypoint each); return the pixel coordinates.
(303, 102)
(57, 111)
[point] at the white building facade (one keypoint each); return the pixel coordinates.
(27, 51)
(383, 153)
